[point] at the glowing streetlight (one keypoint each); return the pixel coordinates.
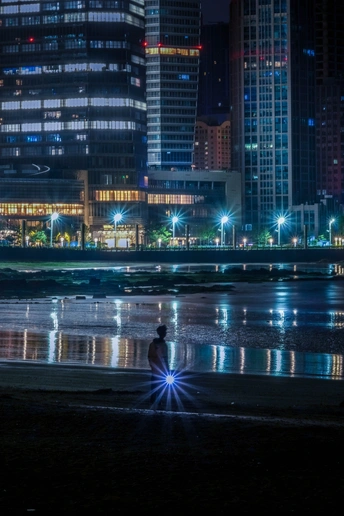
(224, 220)
(294, 241)
(330, 230)
(116, 219)
(244, 240)
(271, 241)
(217, 242)
(159, 242)
(61, 240)
(280, 222)
(54, 216)
(174, 222)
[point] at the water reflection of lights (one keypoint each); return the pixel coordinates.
(54, 317)
(336, 319)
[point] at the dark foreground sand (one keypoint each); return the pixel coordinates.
(81, 440)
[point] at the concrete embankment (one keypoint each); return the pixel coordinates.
(31, 254)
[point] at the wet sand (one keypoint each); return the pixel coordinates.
(76, 440)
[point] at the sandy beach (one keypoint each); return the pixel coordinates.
(75, 439)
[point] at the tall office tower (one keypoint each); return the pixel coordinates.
(172, 56)
(213, 96)
(72, 97)
(272, 52)
(330, 102)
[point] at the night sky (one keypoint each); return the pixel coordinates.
(215, 10)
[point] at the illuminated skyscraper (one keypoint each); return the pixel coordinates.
(330, 103)
(172, 54)
(72, 98)
(272, 53)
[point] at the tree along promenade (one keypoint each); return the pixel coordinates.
(216, 255)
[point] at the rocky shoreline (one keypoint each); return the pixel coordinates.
(39, 283)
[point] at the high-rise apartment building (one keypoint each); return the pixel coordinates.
(72, 99)
(272, 50)
(212, 144)
(330, 103)
(172, 46)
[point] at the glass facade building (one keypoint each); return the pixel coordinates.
(330, 103)
(272, 52)
(172, 45)
(72, 98)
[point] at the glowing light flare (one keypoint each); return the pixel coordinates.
(170, 379)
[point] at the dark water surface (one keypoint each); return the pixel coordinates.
(280, 328)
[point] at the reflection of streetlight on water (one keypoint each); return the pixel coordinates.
(224, 220)
(116, 219)
(54, 216)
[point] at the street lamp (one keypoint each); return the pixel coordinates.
(159, 242)
(116, 219)
(174, 222)
(280, 222)
(224, 220)
(244, 240)
(61, 240)
(270, 240)
(330, 230)
(54, 216)
(295, 241)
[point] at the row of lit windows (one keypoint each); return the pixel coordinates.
(120, 195)
(76, 102)
(170, 199)
(173, 51)
(68, 68)
(79, 18)
(64, 44)
(44, 151)
(66, 126)
(40, 209)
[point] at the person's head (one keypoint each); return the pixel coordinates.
(161, 331)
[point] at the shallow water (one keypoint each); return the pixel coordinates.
(283, 328)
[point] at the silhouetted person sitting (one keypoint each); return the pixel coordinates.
(158, 361)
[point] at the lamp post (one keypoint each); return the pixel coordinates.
(224, 220)
(159, 242)
(330, 230)
(270, 240)
(244, 240)
(117, 218)
(280, 221)
(54, 216)
(295, 241)
(61, 240)
(174, 222)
